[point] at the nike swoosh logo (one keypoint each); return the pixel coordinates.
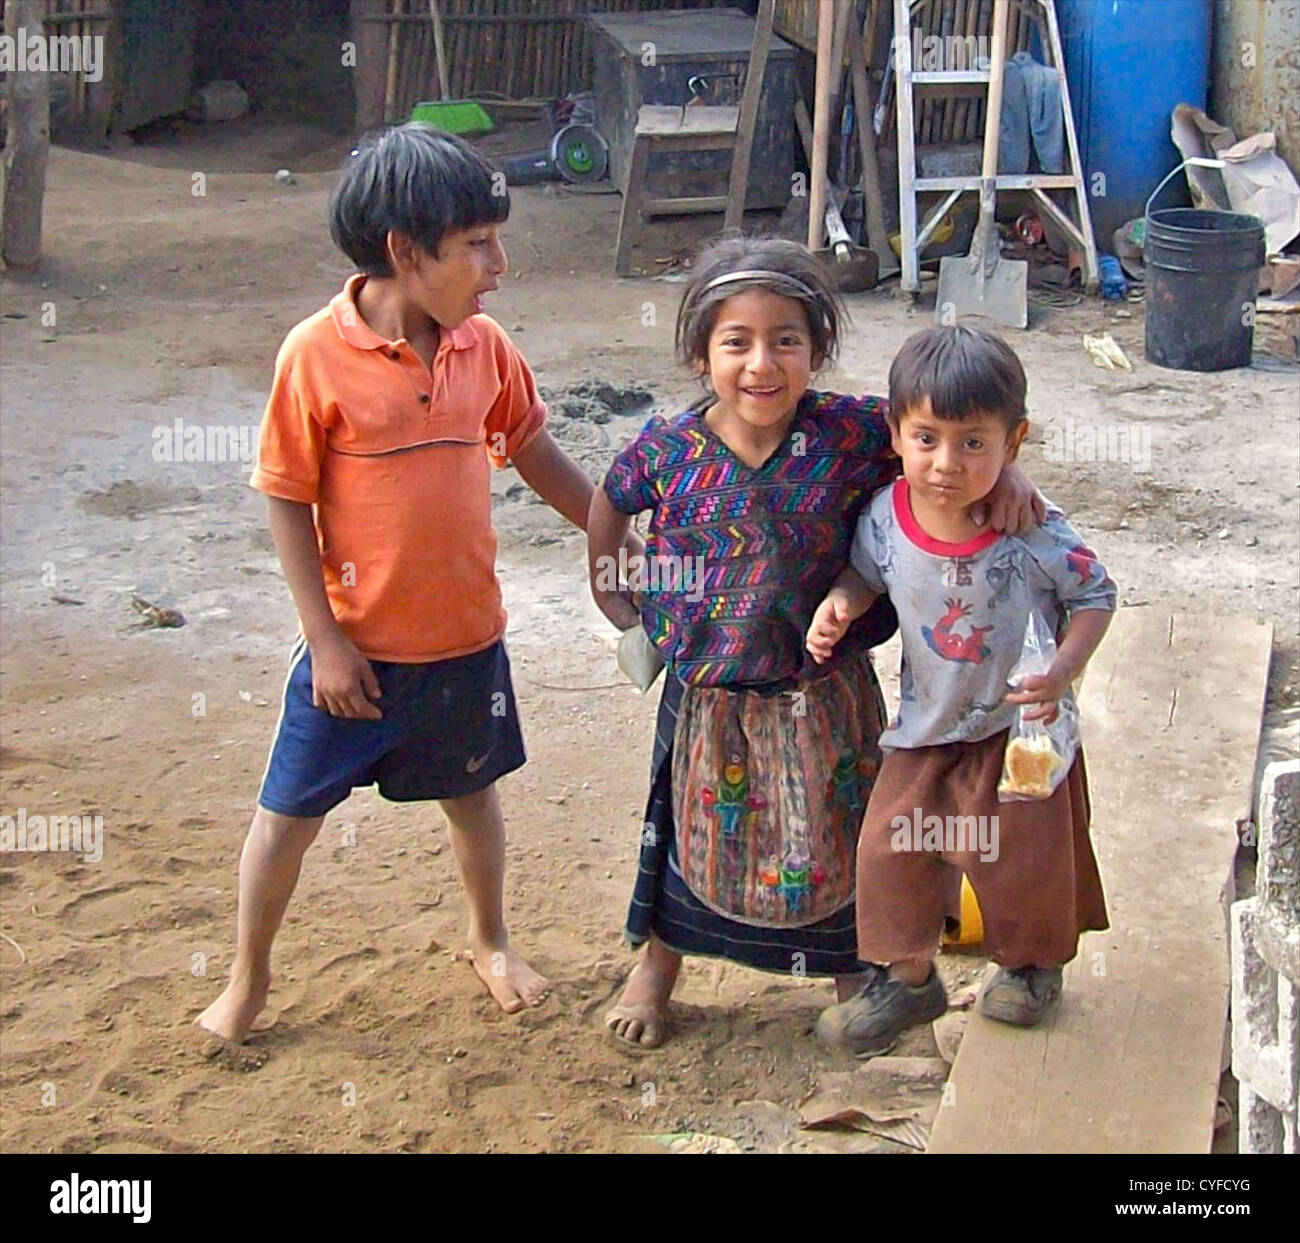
(473, 765)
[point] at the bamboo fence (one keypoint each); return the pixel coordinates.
(496, 49)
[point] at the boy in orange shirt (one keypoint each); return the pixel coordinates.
(386, 408)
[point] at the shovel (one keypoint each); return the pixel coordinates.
(983, 283)
(851, 268)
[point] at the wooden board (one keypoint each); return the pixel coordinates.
(1130, 1061)
(660, 119)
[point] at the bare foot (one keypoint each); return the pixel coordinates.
(510, 980)
(222, 1052)
(640, 1018)
(232, 1015)
(642, 1026)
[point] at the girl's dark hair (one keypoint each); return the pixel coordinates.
(416, 180)
(796, 274)
(962, 371)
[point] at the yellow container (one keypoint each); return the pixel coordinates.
(971, 931)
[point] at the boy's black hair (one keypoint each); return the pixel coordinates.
(791, 270)
(412, 179)
(963, 372)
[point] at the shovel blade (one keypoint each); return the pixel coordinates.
(1000, 294)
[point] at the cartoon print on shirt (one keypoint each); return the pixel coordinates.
(944, 641)
(956, 572)
(1005, 570)
(882, 550)
(971, 716)
(1082, 561)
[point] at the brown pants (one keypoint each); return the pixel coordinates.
(1030, 864)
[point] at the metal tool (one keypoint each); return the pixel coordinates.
(852, 268)
(982, 282)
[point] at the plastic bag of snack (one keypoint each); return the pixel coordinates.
(1038, 755)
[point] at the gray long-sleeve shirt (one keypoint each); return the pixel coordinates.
(962, 610)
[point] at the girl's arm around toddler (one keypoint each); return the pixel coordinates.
(849, 597)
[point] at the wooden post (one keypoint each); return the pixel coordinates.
(864, 107)
(368, 75)
(821, 125)
(390, 75)
(757, 65)
(27, 143)
(439, 50)
(101, 95)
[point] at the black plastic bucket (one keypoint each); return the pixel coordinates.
(1202, 274)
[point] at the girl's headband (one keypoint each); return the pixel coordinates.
(753, 274)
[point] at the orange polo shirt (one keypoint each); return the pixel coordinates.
(395, 460)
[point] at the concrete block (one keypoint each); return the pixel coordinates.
(1263, 1130)
(1277, 942)
(1278, 875)
(1265, 1018)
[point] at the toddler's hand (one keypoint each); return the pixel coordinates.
(342, 680)
(829, 624)
(1044, 690)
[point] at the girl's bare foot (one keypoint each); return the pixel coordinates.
(231, 1015)
(510, 980)
(640, 1018)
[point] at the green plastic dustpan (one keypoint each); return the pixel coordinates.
(454, 116)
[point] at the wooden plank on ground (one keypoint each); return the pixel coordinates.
(1130, 1061)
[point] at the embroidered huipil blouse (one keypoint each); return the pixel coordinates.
(745, 554)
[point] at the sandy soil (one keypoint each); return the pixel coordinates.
(169, 306)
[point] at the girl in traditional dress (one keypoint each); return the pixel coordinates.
(763, 759)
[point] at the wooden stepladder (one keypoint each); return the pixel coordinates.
(972, 80)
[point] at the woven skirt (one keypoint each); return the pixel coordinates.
(773, 804)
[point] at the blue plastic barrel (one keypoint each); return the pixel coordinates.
(1129, 62)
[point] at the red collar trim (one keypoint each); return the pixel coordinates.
(355, 331)
(927, 543)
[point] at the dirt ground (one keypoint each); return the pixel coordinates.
(170, 305)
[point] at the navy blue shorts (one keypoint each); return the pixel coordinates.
(450, 727)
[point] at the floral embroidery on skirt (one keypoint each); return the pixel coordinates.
(769, 793)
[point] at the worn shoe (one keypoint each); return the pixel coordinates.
(870, 1023)
(1021, 995)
